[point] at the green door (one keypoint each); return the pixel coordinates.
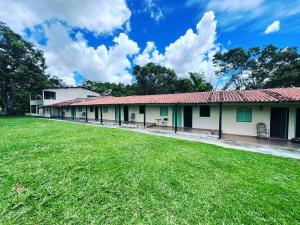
(73, 111)
(117, 113)
(178, 116)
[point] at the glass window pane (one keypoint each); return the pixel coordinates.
(205, 111)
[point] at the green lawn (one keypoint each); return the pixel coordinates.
(63, 173)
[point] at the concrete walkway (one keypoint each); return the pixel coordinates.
(204, 138)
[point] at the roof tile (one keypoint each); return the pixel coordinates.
(260, 95)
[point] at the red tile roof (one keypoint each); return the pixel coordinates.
(249, 96)
(70, 102)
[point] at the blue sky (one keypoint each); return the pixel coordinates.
(103, 40)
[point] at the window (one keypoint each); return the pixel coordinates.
(79, 108)
(35, 96)
(204, 111)
(49, 95)
(33, 109)
(244, 115)
(142, 109)
(164, 110)
(67, 109)
(91, 108)
(105, 109)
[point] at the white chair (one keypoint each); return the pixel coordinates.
(262, 131)
(132, 118)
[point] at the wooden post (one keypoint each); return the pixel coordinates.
(86, 114)
(101, 115)
(220, 119)
(50, 111)
(175, 118)
(145, 116)
(119, 115)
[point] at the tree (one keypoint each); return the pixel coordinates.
(154, 79)
(195, 82)
(117, 89)
(22, 71)
(259, 67)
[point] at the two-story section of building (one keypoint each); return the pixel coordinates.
(54, 95)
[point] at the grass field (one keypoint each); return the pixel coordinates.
(63, 173)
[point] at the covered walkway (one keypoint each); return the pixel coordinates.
(282, 148)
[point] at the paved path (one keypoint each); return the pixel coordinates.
(203, 138)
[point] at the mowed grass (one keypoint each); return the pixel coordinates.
(66, 173)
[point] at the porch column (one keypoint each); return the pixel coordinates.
(58, 111)
(62, 113)
(220, 119)
(145, 116)
(101, 115)
(50, 111)
(86, 114)
(119, 115)
(175, 118)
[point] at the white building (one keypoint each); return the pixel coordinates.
(221, 112)
(55, 95)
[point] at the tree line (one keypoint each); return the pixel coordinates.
(152, 79)
(23, 71)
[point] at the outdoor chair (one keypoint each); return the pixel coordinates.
(262, 131)
(164, 123)
(83, 115)
(132, 118)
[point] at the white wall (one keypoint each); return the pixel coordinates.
(211, 123)
(229, 123)
(231, 126)
(110, 115)
(64, 94)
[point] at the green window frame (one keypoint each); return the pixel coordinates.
(105, 109)
(79, 109)
(244, 114)
(91, 108)
(164, 110)
(204, 111)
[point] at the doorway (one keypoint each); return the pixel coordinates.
(279, 123)
(96, 113)
(188, 116)
(73, 112)
(117, 113)
(298, 123)
(178, 117)
(126, 114)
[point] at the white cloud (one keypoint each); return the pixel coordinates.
(192, 52)
(98, 16)
(65, 56)
(274, 27)
(249, 14)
